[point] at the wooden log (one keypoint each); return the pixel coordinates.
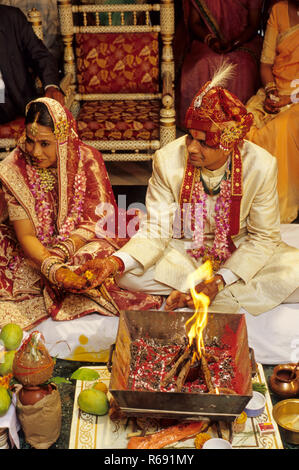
(226, 391)
(175, 367)
(172, 360)
(183, 374)
(206, 373)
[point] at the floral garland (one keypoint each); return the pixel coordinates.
(46, 228)
(75, 216)
(219, 252)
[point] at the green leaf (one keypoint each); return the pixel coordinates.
(59, 380)
(85, 374)
(13, 381)
(259, 387)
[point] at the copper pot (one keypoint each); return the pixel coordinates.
(285, 380)
(29, 395)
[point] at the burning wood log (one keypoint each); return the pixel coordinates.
(174, 369)
(181, 369)
(226, 391)
(183, 375)
(206, 373)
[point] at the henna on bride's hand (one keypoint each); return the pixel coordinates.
(70, 280)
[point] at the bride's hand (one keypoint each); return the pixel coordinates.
(96, 271)
(69, 280)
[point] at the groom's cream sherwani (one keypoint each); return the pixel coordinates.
(266, 268)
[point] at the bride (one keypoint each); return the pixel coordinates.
(53, 183)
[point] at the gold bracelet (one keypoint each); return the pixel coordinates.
(63, 248)
(220, 284)
(116, 264)
(270, 86)
(47, 263)
(70, 246)
(53, 270)
(59, 252)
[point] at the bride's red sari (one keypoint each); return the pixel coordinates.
(72, 208)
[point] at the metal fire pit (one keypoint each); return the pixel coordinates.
(178, 405)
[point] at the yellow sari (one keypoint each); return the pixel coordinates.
(279, 133)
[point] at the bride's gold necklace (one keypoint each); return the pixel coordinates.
(47, 178)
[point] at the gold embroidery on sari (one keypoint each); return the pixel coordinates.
(63, 177)
(16, 185)
(27, 313)
(287, 33)
(27, 280)
(83, 233)
(16, 212)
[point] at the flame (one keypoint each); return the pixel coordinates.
(198, 321)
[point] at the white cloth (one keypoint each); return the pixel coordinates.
(130, 263)
(11, 422)
(83, 339)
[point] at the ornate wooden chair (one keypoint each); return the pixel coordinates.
(121, 59)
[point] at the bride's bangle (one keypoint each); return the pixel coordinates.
(70, 245)
(59, 251)
(118, 265)
(49, 267)
(270, 86)
(53, 270)
(47, 263)
(66, 248)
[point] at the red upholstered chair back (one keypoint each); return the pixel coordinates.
(117, 62)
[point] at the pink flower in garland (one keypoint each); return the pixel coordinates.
(222, 210)
(46, 227)
(220, 249)
(76, 208)
(198, 217)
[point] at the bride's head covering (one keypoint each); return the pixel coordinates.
(77, 164)
(62, 122)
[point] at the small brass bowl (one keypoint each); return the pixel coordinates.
(286, 414)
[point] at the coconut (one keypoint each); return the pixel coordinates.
(33, 364)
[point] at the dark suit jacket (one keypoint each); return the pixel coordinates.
(21, 50)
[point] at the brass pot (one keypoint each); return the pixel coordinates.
(285, 380)
(286, 414)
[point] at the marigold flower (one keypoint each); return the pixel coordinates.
(200, 439)
(5, 380)
(88, 275)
